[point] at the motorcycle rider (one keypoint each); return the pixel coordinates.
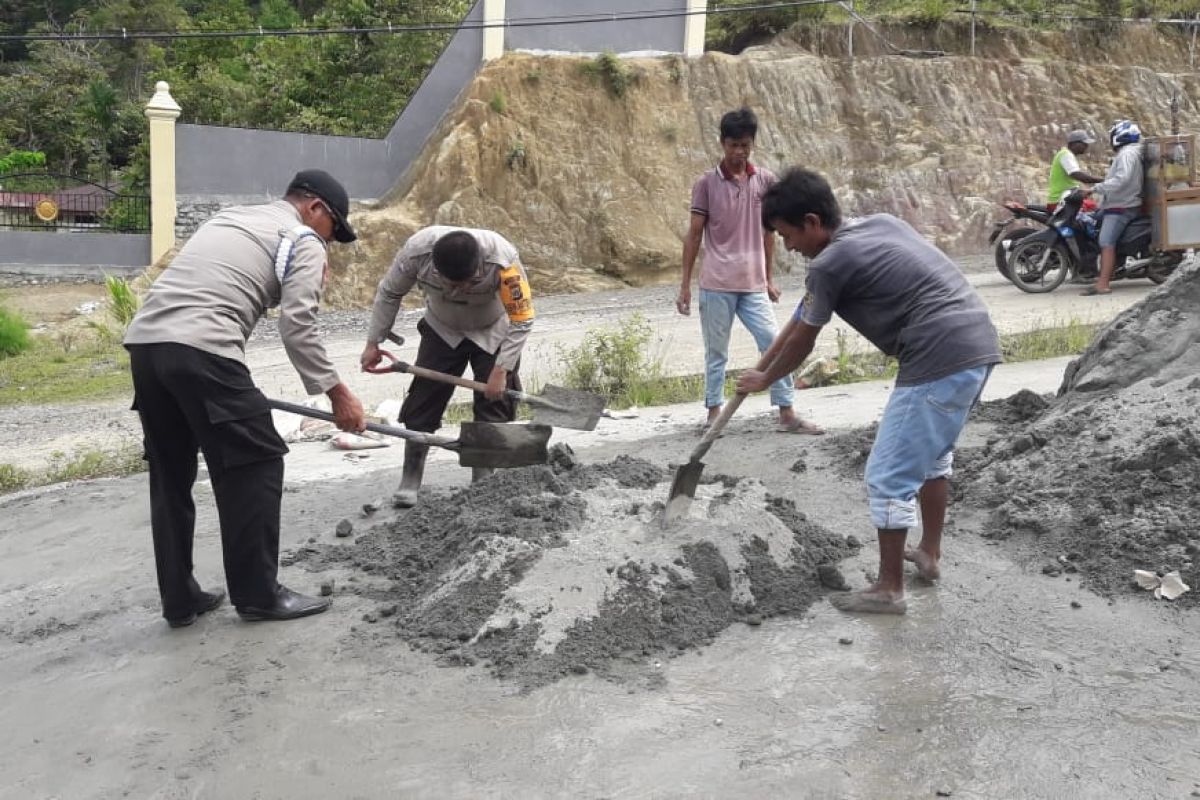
(1122, 191)
(1065, 173)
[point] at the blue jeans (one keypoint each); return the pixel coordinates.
(915, 442)
(717, 310)
(1113, 224)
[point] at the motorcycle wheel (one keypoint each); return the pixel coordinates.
(1010, 238)
(1037, 267)
(1162, 265)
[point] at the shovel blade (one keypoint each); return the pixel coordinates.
(683, 491)
(567, 408)
(493, 444)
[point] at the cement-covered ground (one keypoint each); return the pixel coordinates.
(1000, 682)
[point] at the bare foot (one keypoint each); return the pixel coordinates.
(869, 601)
(927, 565)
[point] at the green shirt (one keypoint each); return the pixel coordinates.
(1061, 181)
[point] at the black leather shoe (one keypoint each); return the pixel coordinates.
(206, 602)
(287, 605)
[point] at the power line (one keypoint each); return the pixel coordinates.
(422, 27)
(1081, 18)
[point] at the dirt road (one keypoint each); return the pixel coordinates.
(28, 435)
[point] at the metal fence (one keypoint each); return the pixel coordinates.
(48, 201)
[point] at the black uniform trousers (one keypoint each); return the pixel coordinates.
(188, 399)
(427, 400)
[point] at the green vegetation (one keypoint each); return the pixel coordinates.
(80, 103)
(1056, 340)
(498, 103)
(14, 333)
(615, 74)
(77, 466)
(86, 366)
(617, 362)
(123, 301)
(734, 32)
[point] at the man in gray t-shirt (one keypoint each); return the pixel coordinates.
(912, 302)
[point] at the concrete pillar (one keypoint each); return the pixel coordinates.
(493, 37)
(162, 111)
(694, 25)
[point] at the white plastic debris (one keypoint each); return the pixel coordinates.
(388, 412)
(628, 413)
(354, 441)
(1167, 587)
(90, 307)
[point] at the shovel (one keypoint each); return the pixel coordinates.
(562, 408)
(480, 444)
(687, 476)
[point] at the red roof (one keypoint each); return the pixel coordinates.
(85, 198)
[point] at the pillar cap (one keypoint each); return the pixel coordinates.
(162, 104)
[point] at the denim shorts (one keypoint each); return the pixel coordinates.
(1113, 223)
(915, 442)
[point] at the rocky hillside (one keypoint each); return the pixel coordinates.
(593, 184)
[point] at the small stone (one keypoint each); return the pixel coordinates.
(326, 588)
(799, 466)
(881, 728)
(312, 539)
(1076, 604)
(344, 528)
(853, 541)
(845, 640)
(944, 792)
(388, 611)
(718, 722)
(370, 616)
(831, 577)
(370, 508)
(1052, 570)
(754, 619)
(579, 669)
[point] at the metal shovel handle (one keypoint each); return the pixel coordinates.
(387, 430)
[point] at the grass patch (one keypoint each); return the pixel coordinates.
(62, 371)
(77, 466)
(1070, 339)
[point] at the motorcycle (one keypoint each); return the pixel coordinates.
(1041, 261)
(1021, 222)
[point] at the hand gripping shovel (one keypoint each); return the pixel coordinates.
(480, 444)
(687, 476)
(562, 408)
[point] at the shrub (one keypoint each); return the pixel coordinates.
(498, 103)
(612, 362)
(123, 302)
(612, 71)
(14, 333)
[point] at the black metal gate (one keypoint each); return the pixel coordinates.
(53, 201)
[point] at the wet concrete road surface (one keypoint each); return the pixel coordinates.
(992, 686)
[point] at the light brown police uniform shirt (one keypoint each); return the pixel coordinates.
(224, 279)
(496, 312)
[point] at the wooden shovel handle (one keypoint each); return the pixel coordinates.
(442, 377)
(719, 423)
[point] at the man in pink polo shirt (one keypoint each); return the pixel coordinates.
(735, 280)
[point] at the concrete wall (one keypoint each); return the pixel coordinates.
(72, 254)
(665, 34)
(256, 165)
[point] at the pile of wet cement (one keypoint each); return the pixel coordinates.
(544, 571)
(1106, 479)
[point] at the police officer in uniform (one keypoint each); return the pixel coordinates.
(192, 389)
(478, 311)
